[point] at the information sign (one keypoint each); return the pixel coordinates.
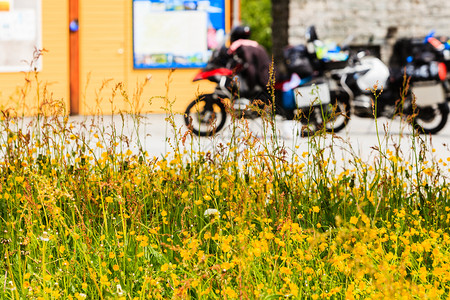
(175, 33)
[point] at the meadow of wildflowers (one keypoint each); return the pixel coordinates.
(84, 217)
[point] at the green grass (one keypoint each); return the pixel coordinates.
(83, 217)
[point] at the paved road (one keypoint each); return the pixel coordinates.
(157, 136)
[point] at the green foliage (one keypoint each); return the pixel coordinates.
(256, 14)
(96, 222)
(82, 216)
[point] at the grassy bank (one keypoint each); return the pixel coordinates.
(84, 217)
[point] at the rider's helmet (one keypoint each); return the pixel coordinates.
(240, 32)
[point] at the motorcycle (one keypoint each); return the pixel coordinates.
(416, 92)
(416, 89)
(307, 99)
(422, 50)
(325, 87)
(207, 114)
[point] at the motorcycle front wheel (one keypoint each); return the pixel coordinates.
(431, 119)
(205, 116)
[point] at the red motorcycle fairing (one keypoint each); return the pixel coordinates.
(216, 72)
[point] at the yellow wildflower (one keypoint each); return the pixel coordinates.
(353, 220)
(47, 277)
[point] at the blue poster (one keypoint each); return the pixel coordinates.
(176, 33)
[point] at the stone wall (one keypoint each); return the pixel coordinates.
(368, 20)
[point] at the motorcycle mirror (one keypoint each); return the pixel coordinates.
(311, 34)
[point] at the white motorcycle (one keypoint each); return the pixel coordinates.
(416, 92)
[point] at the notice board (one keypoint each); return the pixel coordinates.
(175, 33)
(20, 35)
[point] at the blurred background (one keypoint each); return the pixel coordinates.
(109, 56)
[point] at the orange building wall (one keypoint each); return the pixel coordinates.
(106, 65)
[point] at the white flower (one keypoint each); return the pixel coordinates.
(211, 211)
(44, 237)
(119, 290)
(12, 288)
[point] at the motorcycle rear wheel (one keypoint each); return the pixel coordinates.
(332, 117)
(338, 114)
(311, 120)
(205, 116)
(431, 119)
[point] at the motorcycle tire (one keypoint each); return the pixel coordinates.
(338, 115)
(331, 117)
(311, 121)
(431, 119)
(205, 116)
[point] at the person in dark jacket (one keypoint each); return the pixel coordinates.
(253, 60)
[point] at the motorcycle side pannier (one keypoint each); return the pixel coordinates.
(423, 72)
(297, 61)
(312, 94)
(412, 49)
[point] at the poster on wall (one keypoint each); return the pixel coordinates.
(20, 34)
(176, 33)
